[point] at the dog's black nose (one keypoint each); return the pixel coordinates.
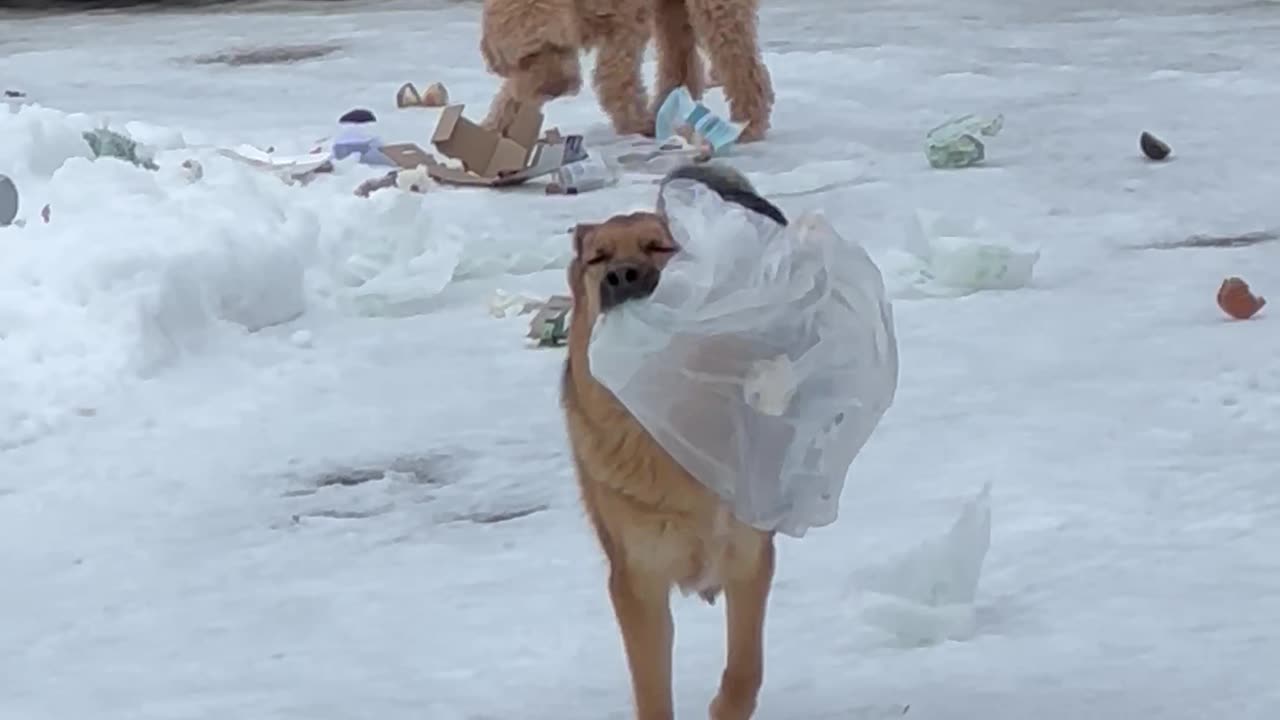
(627, 281)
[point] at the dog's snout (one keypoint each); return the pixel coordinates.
(627, 281)
(622, 276)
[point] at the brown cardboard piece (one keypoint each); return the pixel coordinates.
(491, 159)
(407, 156)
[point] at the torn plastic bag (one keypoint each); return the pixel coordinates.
(763, 360)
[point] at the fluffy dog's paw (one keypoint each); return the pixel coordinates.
(641, 127)
(753, 132)
(635, 124)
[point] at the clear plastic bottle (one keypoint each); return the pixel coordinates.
(591, 173)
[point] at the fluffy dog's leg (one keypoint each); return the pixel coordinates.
(746, 594)
(679, 62)
(728, 30)
(539, 79)
(642, 604)
(533, 45)
(618, 83)
(503, 109)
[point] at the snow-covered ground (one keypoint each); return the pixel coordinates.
(265, 454)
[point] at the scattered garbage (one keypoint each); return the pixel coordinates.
(953, 256)
(956, 143)
(372, 185)
(14, 99)
(493, 159)
(682, 116)
(593, 173)
(8, 201)
(414, 179)
(659, 159)
(1236, 300)
(358, 116)
(1153, 147)
(436, 95)
(104, 142)
(550, 327)
(289, 168)
(191, 170)
(407, 156)
(356, 136)
(504, 304)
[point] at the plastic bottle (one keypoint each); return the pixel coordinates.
(680, 111)
(592, 173)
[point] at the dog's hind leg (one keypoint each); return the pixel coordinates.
(728, 30)
(749, 576)
(642, 603)
(618, 82)
(678, 60)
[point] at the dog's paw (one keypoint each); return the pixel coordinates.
(753, 132)
(727, 708)
(642, 125)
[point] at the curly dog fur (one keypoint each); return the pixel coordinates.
(534, 45)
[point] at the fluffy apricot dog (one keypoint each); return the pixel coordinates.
(534, 45)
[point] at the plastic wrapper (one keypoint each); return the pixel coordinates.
(762, 362)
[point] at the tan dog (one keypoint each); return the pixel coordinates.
(657, 525)
(534, 45)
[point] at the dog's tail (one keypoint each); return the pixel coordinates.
(731, 185)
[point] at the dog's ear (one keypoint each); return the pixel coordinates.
(581, 232)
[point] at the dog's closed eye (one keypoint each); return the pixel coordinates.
(600, 258)
(659, 248)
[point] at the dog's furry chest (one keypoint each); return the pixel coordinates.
(642, 503)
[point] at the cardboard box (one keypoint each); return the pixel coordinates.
(407, 156)
(492, 159)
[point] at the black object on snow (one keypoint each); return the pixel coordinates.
(359, 115)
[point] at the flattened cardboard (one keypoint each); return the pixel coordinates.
(493, 160)
(295, 164)
(407, 156)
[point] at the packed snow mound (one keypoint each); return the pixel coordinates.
(136, 267)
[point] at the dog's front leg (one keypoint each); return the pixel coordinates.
(505, 105)
(678, 60)
(746, 595)
(642, 603)
(618, 81)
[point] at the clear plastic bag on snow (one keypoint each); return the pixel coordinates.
(762, 362)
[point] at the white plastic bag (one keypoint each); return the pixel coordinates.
(953, 255)
(762, 362)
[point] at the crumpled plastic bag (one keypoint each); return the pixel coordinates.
(955, 255)
(762, 362)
